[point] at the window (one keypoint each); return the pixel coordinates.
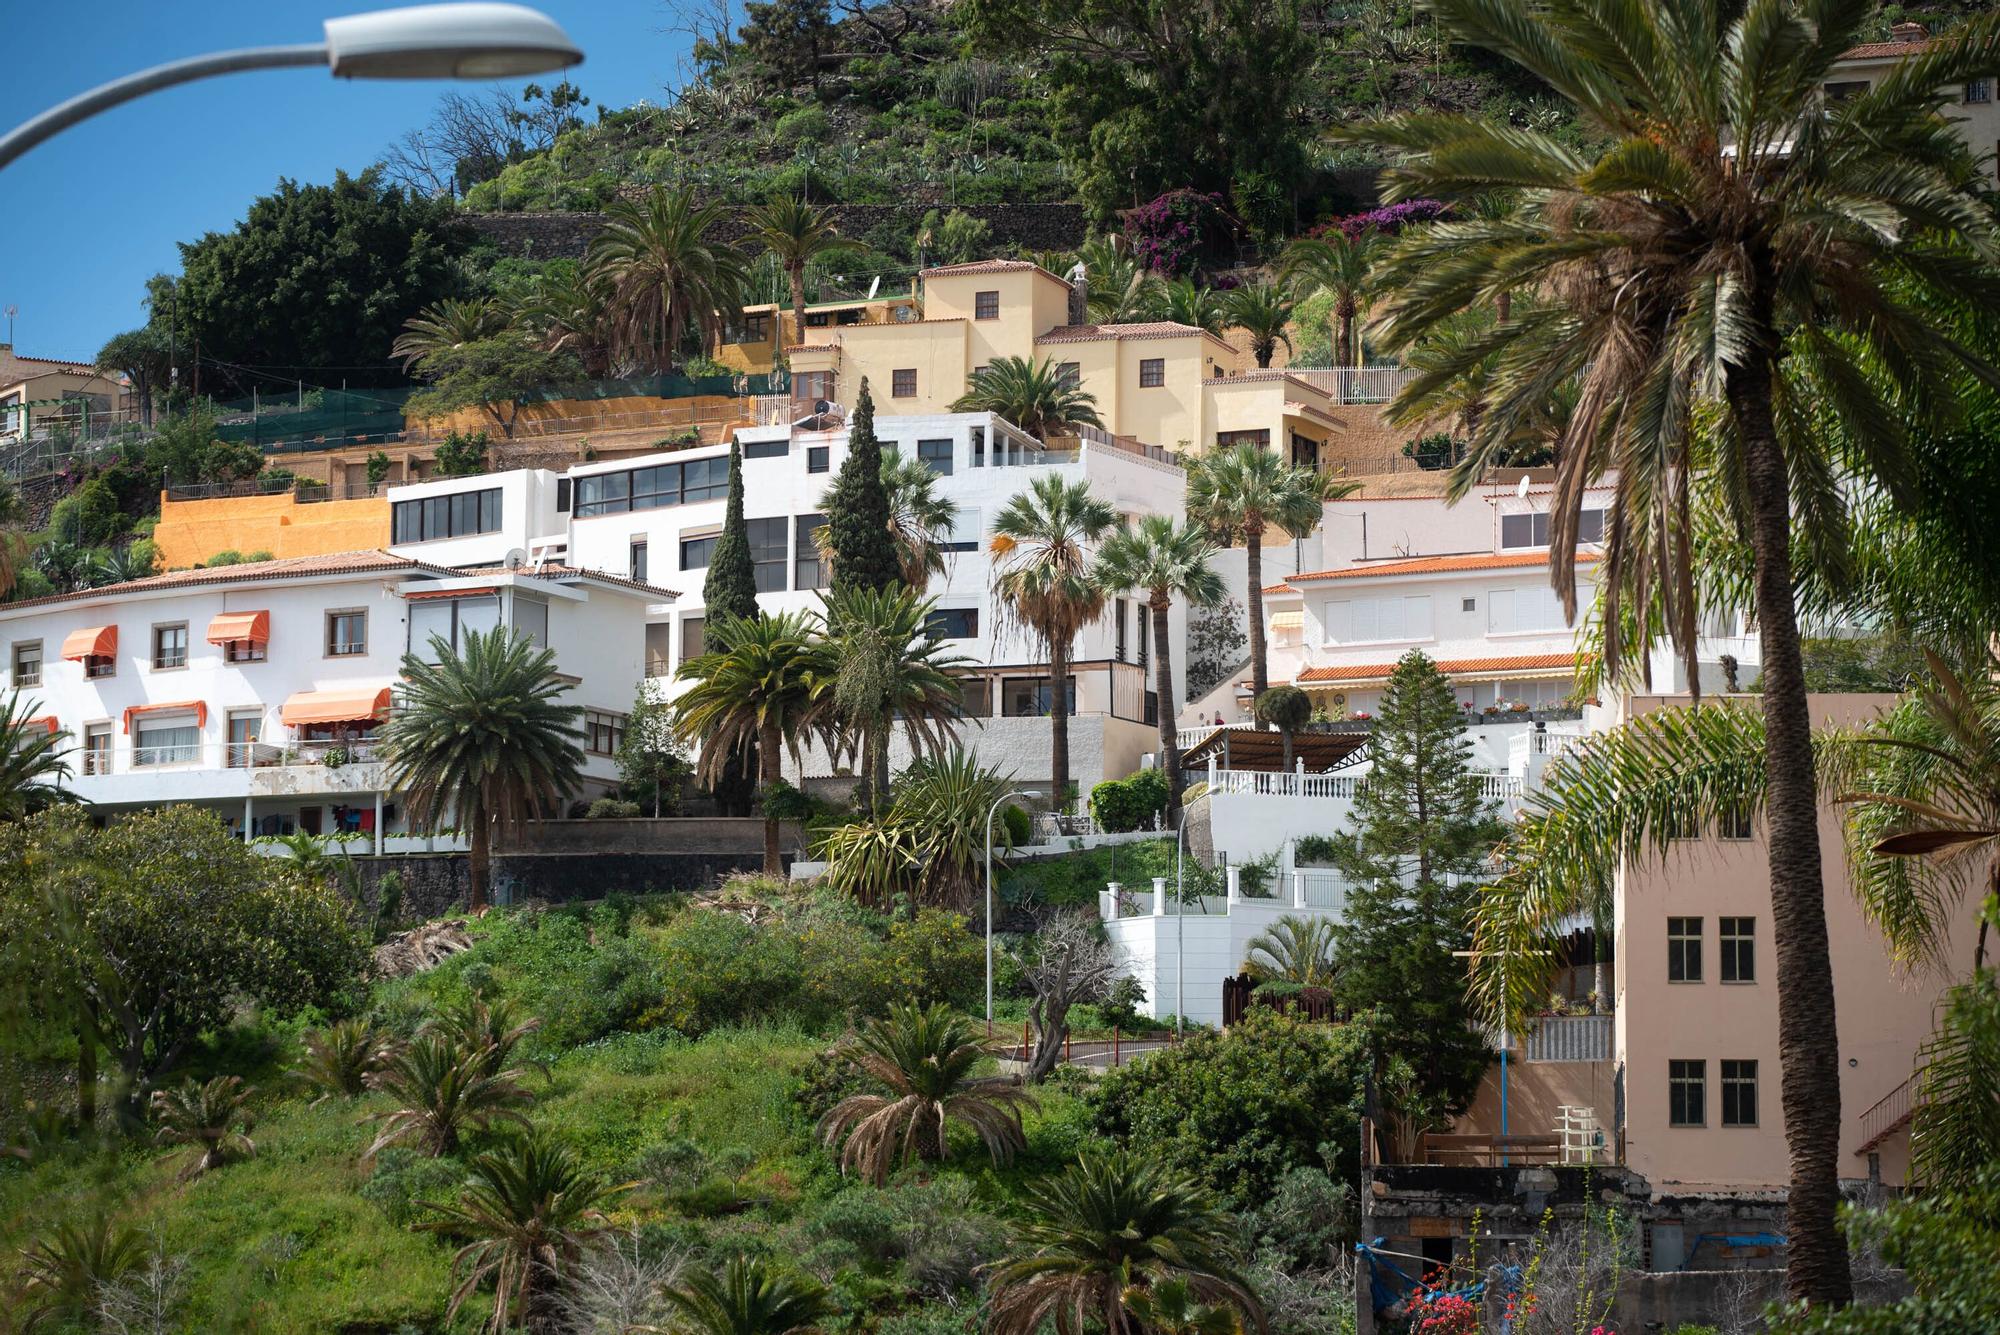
(635, 559)
(768, 552)
(1260, 438)
(1979, 90)
(812, 386)
(1523, 611)
(531, 618)
(1030, 697)
(818, 319)
(245, 651)
(819, 458)
(1736, 941)
(986, 305)
(1069, 375)
(767, 449)
(1735, 822)
(1468, 604)
(808, 571)
(953, 623)
(756, 329)
(97, 749)
(652, 488)
(170, 646)
(903, 383)
(979, 447)
(451, 620)
(1739, 1093)
(1145, 633)
(1844, 89)
(1305, 452)
(99, 666)
(1118, 628)
(1687, 1093)
(974, 697)
(27, 663)
(172, 740)
(346, 634)
(1152, 372)
(1684, 950)
(936, 456)
(245, 731)
(697, 552)
(967, 528)
(1367, 620)
(692, 640)
(459, 515)
(602, 732)
(1532, 530)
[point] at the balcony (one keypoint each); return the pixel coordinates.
(1569, 1038)
(213, 771)
(1280, 783)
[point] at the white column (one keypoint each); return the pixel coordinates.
(1298, 889)
(1211, 771)
(1159, 896)
(378, 823)
(1107, 904)
(1235, 874)
(246, 818)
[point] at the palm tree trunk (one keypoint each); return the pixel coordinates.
(1253, 543)
(1808, 1038)
(1165, 708)
(797, 272)
(475, 863)
(1343, 317)
(1503, 306)
(774, 863)
(881, 762)
(1059, 721)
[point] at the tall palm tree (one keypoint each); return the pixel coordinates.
(1032, 395)
(1239, 492)
(1042, 547)
(1295, 950)
(1262, 311)
(1190, 303)
(478, 737)
(920, 520)
(450, 323)
(923, 1059)
(1163, 560)
(670, 275)
(1108, 1224)
(1735, 218)
(749, 1297)
(1335, 266)
(758, 687)
(32, 760)
(881, 660)
(530, 1208)
(570, 311)
(796, 233)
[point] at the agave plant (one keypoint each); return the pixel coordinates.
(340, 1058)
(63, 1273)
(213, 1118)
(924, 1059)
(444, 1088)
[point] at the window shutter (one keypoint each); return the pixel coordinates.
(1339, 622)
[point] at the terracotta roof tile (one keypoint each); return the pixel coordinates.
(1451, 667)
(990, 266)
(1880, 50)
(1440, 565)
(251, 572)
(1085, 333)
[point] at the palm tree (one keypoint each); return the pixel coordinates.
(1262, 311)
(669, 274)
(920, 520)
(1042, 579)
(796, 233)
(1295, 950)
(749, 1297)
(450, 323)
(1731, 223)
(1163, 560)
(1336, 266)
(1108, 1224)
(924, 1060)
(214, 1118)
(1192, 304)
(340, 1058)
(530, 1208)
(491, 1028)
(1239, 492)
(1170, 1308)
(881, 659)
(32, 764)
(758, 689)
(63, 1275)
(1032, 395)
(444, 1088)
(478, 737)
(570, 311)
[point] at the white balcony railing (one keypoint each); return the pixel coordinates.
(1269, 783)
(1356, 384)
(97, 763)
(1569, 1038)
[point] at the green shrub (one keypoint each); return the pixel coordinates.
(717, 969)
(614, 808)
(404, 1177)
(806, 125)
(933, 957)
(1120, 805)
(783, 801)
(1313, 848)
(1020, 825)
(228, 556)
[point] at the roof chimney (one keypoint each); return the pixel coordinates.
(1908, 32)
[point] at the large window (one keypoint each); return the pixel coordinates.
(819, 458)
(1523, 611)
(768, 449)
(246, 729)
(1261, 438)
(97, 748)
(602, 732)
(1687, 1093)
(451, 620)
(1684, 950)
(953, 623)
(1366, 620)
(346, 633)
(698, 550)
(767, 552)
(1739, 1093)
(169, 740)
(1532, 530)
(459, 515)
(170, 646)
(652, 488)
(1736, 942)
(936, 456)
(27, 663)
(1032, 697)
(693, 641)
(812, 386)
(808, 571)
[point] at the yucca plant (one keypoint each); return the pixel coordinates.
(443, 1089)
(530, 1209)
(340, 1058)
(212, 1118)
(875, 861)
(923, 1059)
(63, 1272)
(749, 1297)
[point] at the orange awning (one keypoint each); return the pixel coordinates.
(350, 704)
(423, 595)
(240, 627)
(91, 642)
(199, 707)
(45, 721)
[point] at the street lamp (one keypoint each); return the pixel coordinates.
(1024, 793)
(466, 41)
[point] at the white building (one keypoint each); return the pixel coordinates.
(260, 689)
(656, 517)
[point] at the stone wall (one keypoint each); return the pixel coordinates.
(435, 884)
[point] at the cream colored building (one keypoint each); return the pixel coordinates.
(1971, 105)
(40, 393)
(752, 343)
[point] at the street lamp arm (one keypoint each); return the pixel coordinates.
(85, 105)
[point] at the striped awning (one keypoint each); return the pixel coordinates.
(91, 642)
(1292, 620)
(425, 595)
(240, 628)
(349, 704)
(199, 708)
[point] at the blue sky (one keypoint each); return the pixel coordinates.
(91, 214)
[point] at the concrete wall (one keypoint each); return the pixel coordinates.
(190, 532)
(437, 884)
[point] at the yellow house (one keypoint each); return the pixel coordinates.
(750, 344)
(1161, 383)
(40, 391)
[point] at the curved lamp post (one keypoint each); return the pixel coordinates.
(465, 41)
(1024, 793)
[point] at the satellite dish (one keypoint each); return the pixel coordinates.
(873, 287)
(1522, 490)
(515, 558)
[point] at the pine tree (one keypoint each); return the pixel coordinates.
(731, 587)
(1417, 846)
(864, 550)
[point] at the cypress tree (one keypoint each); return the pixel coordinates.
(1414, 854)
(731, 586)
(864, 550)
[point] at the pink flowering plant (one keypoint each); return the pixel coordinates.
(1173, 232)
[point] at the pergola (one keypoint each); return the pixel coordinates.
(1264, 749)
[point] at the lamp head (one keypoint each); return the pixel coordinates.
(459, 41)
